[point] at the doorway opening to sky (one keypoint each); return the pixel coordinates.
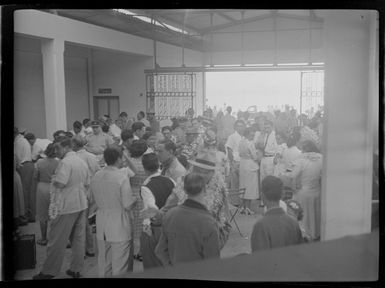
(267, 90)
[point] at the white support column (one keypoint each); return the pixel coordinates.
(54, 85)
(348, 141)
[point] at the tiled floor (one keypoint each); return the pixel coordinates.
(235, 245)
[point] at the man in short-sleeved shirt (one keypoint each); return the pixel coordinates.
(70, 183)
(98, 141)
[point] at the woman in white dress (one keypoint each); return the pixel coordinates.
(248, 170)
(307, 168)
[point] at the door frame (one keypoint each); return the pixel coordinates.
(95, 100)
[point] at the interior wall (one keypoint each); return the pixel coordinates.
(76, 83)
(124, 75)
(76, 87)
(293, 42)
(28, 86)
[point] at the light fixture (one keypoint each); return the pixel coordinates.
(293, 64)
(259, 65)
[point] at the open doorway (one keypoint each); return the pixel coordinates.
(266, 91)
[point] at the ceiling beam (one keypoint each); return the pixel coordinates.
(179, 24)
(180, 11)
(236, 22)
(223, 15)
(300, 17)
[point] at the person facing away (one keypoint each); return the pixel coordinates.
(154, 192)
(189, 231)
(276, 228)
(68, 213)
(111, 191)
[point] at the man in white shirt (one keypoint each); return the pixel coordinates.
(70, 184)
(111, 191)
(116, 129)
(26, 169)
(98, 141)
(266, 141)
(142, 118)
(38, 146)
(232, 146)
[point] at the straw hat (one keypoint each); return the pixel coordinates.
(204, 160)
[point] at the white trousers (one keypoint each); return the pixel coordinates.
(114, 258)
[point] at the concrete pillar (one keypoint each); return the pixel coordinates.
(54, 85)
(349, 48)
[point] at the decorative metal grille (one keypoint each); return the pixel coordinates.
(170, 94)
(312, 92)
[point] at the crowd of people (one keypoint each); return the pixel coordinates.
(161, 195)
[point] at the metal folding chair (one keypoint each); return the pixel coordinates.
(234, 210)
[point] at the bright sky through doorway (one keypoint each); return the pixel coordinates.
(261, 88)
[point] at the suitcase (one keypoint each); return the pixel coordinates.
(25, 252)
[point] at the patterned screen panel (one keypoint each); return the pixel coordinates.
(312, 92)
(170, 95)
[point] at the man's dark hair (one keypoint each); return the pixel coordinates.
(85, 121)
(194, 184)
(105, 128)
(229, 109)
(78, 142)
(272, 188)
(123, 114)
(166, 128)
(248, 131)
(50, 151)
(142, 113)
(111, 155)
(137, 126)
(29, 136)
(65, 141)
(59, 133)
(147, 135)
(237, 122)
(77, 125)
(283, 136)
(309, 146)
(169, 146)
(126, 134)
(137, 148)
(150, 162)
